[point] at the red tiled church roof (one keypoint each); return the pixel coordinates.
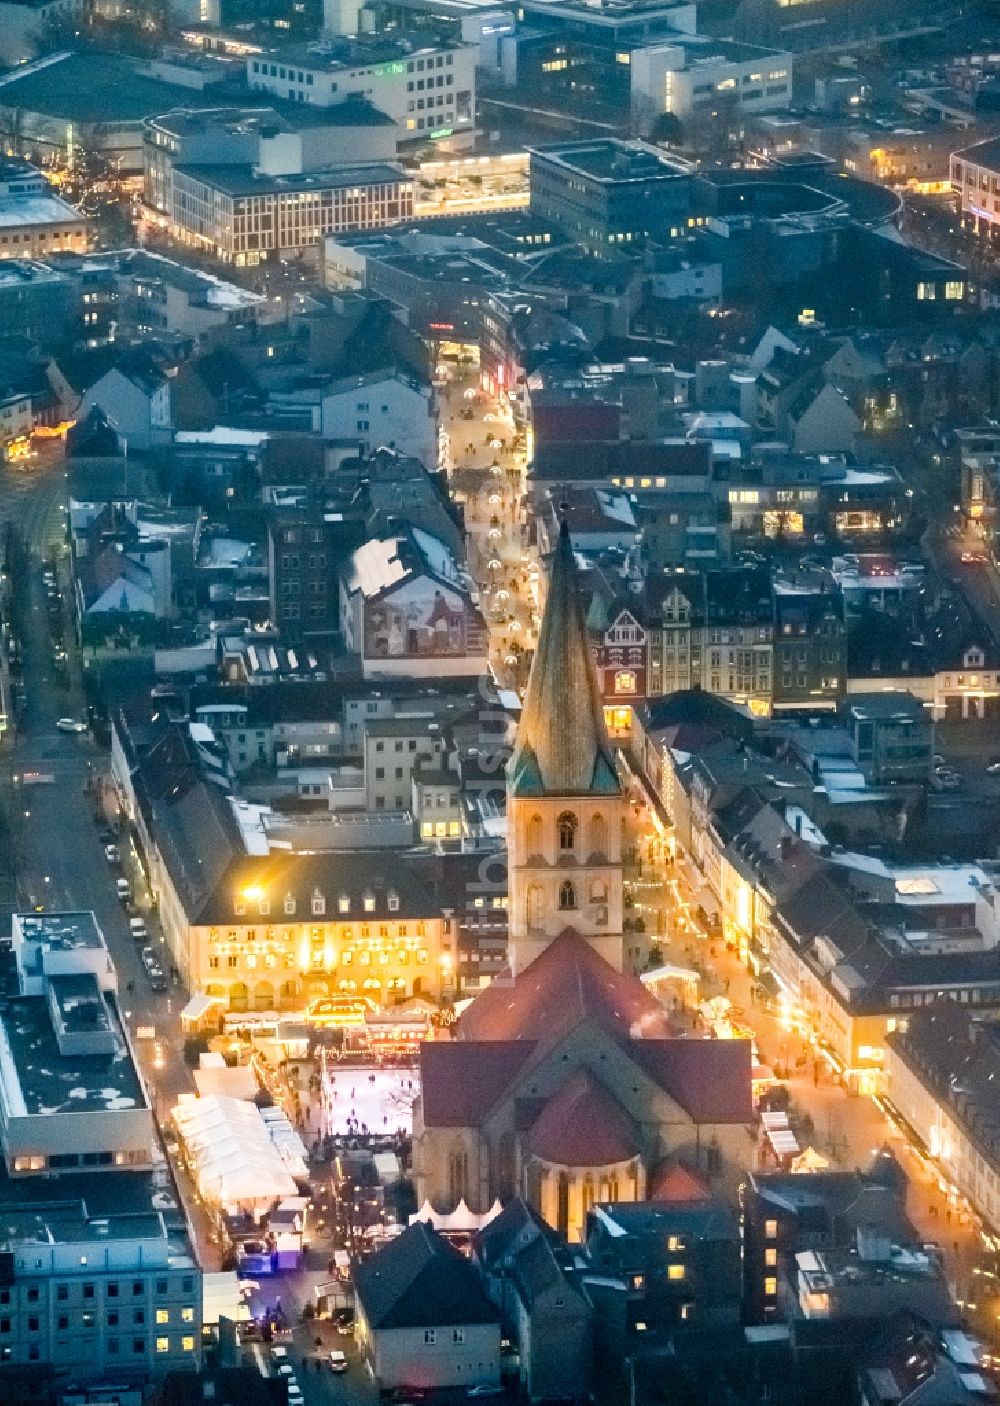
(567, 983)
(583, 1126)
(461, 1083)
(710, 1079)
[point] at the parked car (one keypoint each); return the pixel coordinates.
(338, 1361)
(70, 725)
(137, 929)
(124, 890)
(111, 854)
(157, 980)
(993, 769)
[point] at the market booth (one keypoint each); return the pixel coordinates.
(243, 1163)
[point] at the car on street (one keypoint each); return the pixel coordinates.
(993, 769)
(137, 929)
(485, 1389)
(343, 1321)
(157, 980)
(70, 725)
(338, 1361)
(285, 1369)
(124, 890)
(111, 854)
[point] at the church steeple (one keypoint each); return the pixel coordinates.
(562, 745)
(565, 805)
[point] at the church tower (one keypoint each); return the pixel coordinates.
(565, 806)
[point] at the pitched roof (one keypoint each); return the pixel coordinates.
(582, 1125)
(710, 1079)
(673, 1181)
(568, 982)
(461, 1083)
(508, 1233)
(419, 1280)
(562, 745)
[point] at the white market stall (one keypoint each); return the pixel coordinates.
(460, 1221)
(235, 1162)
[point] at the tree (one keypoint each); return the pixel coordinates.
(667, 129)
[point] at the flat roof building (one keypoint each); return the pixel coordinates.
(33, 221)
(71, 1095)
(429, 89)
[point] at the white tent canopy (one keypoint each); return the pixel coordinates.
(231, 1153)
(460, 1219)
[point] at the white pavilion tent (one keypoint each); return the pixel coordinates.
(235, 1163)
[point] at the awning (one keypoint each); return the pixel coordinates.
(198, 1007)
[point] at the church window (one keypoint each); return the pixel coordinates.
(458, 1175)
(535, 835)
(598, 835)
(567, 831)
(567, 895)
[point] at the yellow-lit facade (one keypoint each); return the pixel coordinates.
(256, 964)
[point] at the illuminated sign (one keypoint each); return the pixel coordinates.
(389, 70)
(441, 132)
(441, 326)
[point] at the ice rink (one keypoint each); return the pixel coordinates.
(358, 1099)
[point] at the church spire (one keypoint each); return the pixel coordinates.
(562, 746)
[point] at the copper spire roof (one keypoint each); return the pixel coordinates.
(562, 746)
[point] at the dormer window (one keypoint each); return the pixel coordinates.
(239, 906)
(264, 907)
(318, 904)
(369, 902)
(343, 904)
(393, 901)
(289, 905)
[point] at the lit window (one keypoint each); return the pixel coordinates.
(771, 1258)
(954, 289)
(187, 1315)
(770, 1286)
(162, 1315)
(163, 1344)
(676, 1271)
(771, 1229)
(187, 1344)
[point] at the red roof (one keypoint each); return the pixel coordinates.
(461, 1083)
(569, 982)
(675, 1182)
(582, 1126)
(710, 1079)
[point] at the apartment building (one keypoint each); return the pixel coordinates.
(975, 179)
(429, 90)
(942, 1065)
(394, 749)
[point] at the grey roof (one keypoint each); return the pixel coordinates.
(419, 1280)
(51, 1082)
(90, 87)
(562, 744)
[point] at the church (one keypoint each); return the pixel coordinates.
(563, 1082)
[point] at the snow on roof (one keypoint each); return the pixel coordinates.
(617, 506)
(18, 210)
(609, 1223)
(253, 828)
(436, 554)
(376, 565)
(223, 434)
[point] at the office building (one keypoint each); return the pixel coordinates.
(607, 193)
(429, 90)
(246, 218)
